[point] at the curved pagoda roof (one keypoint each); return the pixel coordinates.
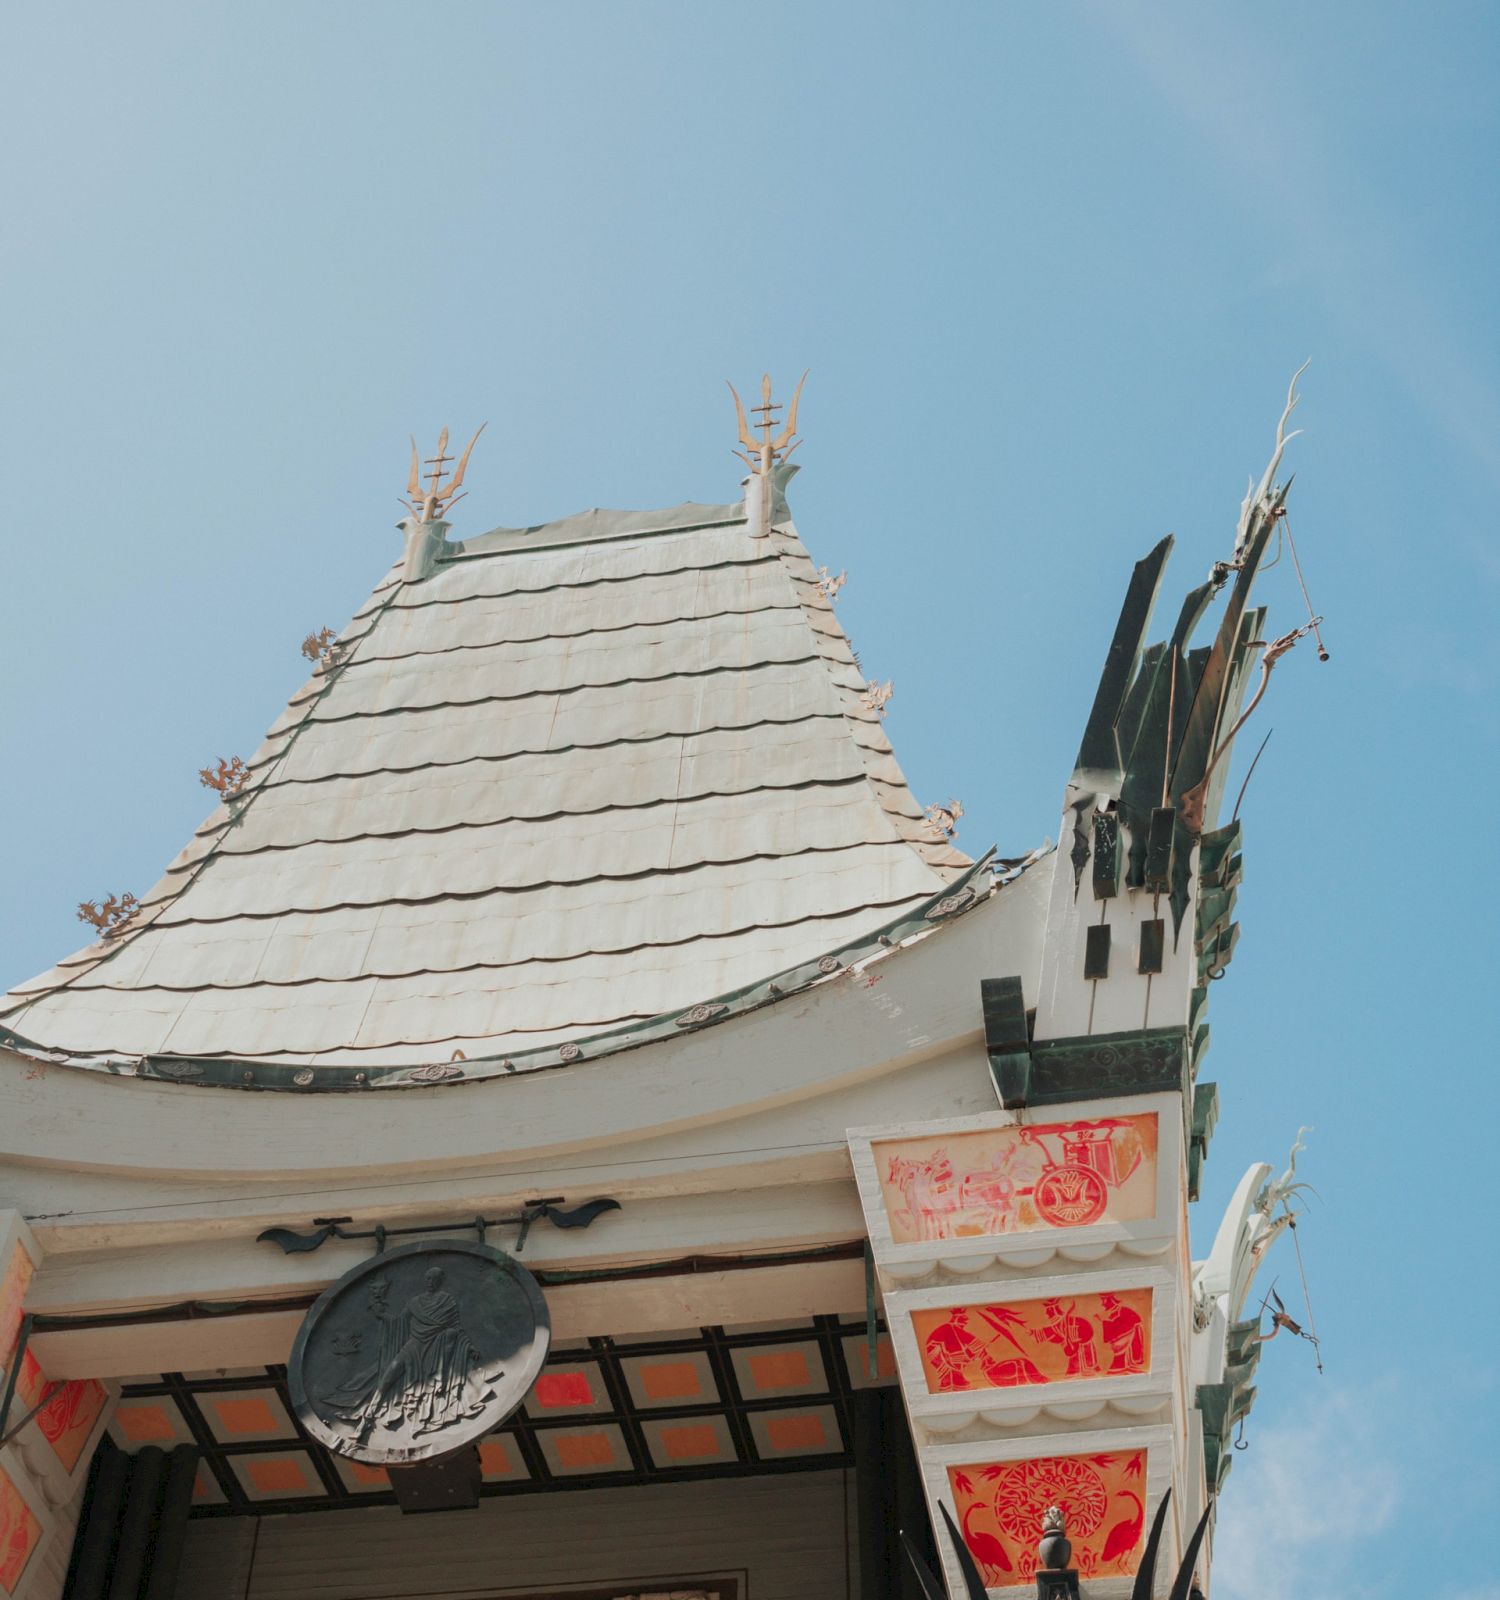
(581, 777)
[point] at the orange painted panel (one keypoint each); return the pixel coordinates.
(370, 1477)
(276, 1474)
(691, 1441)
(796, 1433)
(585, 1450)
(143, 1424)
(68, 1418)
(555, 1391)
(885, 1359)
(494, 1459)
(1034, 1341)
(1019, 1180)
(785, 1369)
(248, 1416)
(671, 1380)
(20, 1533)
(1000, 1507)
(15, 1279)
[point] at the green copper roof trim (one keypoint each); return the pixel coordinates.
(957, 898)
(1205, 1118)
(1106, 1065)
(1100, 751)
(1223, 1404)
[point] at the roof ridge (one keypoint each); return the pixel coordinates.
(537, 694)
(582, 633)
(538, 818)
(463, 896)
(694, 937)
(814, 602)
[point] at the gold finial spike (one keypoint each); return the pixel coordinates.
(762, 454)
(439, 497)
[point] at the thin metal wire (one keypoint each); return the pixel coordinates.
(1312, 618)
(1240, 798)
(1312, 1326)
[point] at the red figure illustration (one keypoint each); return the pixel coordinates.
(1124, 1333)
(929, 1190)
(1124, 1536)
(1052, 1175)
(986, 1548)
(953, 1350)
(1073, 1333)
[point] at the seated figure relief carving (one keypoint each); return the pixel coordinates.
(427, 1373)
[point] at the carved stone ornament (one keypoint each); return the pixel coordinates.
(437, 1072)
(951, 904)
(696, 1015)
(179, 1069)
(418, 1352)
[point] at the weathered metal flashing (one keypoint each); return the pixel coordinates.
(972, 889)
(1107, 1065)
(589, 527)
(1007, 1039)
(1227, 1402)
(1100, 751)
(1204, 1119)
(1043, 1072)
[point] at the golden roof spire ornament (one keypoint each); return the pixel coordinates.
(762, 454)
(431, 503)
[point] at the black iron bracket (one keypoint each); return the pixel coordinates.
(326, 1228)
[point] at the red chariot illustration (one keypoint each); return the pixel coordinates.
(1058, 1176)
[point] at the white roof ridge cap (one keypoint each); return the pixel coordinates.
(595, 526)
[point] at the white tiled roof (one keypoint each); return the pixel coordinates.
(583, 775)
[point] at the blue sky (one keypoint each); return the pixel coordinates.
(1051, 268)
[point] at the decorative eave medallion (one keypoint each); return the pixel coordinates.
(418, 1352)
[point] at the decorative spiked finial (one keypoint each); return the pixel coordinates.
(762, 454)
(429, 504)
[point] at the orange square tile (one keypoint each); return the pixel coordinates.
(15, 1280)
(796, 1433)
(885, 1360)
(556, 1391)
(368, 1477)
(246, 1416)
(781, 1369)
(142, 1424)
(691, 1441)
(671, 1380)
(20, 1533)
(277, 1474)
(585, 1450)
(495, 1459)
(206, 1490)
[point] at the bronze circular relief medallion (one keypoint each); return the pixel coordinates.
(418, 1352)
